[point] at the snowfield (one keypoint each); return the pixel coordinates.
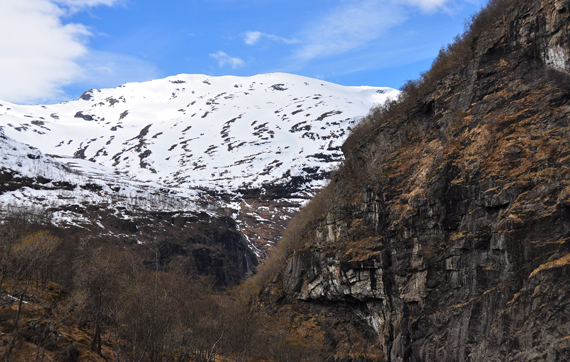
(181, 137)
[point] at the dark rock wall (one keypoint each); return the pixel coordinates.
(200, 244)
(449, 232)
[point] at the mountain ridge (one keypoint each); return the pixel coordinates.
(198, 142)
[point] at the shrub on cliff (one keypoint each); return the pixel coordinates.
(452, 59)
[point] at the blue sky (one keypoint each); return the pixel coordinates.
(54, 50)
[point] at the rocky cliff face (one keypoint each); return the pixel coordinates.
(447, 238)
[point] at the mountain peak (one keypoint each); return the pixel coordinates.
(193, 133)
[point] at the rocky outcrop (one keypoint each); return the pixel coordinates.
(198, 243)
(448, 235)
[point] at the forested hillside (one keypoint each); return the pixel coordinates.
(69, 297)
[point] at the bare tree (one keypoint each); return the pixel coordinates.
(97, 282)
(30, 257)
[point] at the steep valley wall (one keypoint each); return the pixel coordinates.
(447, 237)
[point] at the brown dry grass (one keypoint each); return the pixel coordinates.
(565, 260)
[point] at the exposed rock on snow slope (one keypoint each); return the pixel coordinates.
(255, 147)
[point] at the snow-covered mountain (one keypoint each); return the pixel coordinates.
(190, 141)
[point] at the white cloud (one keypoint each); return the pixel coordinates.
(78, 5)
(348, 27)
(426, 5)
(37, 51)
(85, 3)
(253, 37)
(352, 25)
(224, 59)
